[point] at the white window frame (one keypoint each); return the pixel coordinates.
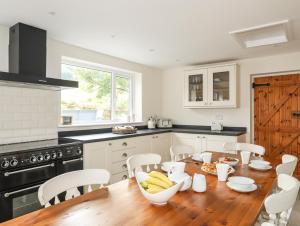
(114, 73)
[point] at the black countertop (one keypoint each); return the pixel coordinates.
(105, 135)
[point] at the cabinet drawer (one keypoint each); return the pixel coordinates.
(121, 155)
(118, 177)
(116, 145)
(119, 167)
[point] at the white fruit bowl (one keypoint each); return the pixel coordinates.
(160, 198)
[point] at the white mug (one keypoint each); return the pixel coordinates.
(206, 156)
(245, 156)
(222, 171)
(199, 183)
(179, 177)
(176, 167)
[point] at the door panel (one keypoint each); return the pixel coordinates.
(277, 115)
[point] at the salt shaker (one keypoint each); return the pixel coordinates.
(199, 183)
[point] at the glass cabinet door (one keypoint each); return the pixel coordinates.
(222, 86)
(195, 87)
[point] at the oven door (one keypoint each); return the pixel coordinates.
(68, 165)
(19, 177)
(17, 202)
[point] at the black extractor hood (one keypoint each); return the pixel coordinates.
(27, 60)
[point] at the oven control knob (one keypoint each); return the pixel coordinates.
(40, 158)
(13, 162)
(47, 157)
(53, 155)
(33, 159)
(5, 164)
(59, 154)
(79, 151)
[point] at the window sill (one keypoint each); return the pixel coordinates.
(95, 126)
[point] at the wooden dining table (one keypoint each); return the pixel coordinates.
(123, 204)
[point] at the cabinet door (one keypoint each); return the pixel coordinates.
(222, 86)
(94, 155)
(195, 88)
(160, 144)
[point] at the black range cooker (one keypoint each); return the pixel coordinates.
(25, 166)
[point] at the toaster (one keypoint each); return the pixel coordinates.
(164, 123)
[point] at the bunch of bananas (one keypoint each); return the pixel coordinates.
(156, 182)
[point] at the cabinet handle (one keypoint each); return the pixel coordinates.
(124, 177)
(124, 155)
(156, 136)
(198, 137)
(124, 166)
(153, 137)
(124, 144)
(109, 144)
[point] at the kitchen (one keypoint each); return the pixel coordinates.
(52, 127)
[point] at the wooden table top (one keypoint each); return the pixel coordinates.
(123, 204)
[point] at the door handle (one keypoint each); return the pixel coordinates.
(6, 174)
(6, 195)
(72, 160)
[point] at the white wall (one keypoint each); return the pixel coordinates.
(32, 114)
(172, 92)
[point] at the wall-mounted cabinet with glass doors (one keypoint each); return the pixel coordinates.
(211, 87)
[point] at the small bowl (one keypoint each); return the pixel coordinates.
(160, 198)
(242, 182)
(179, 177)
(231, 163)
(260, 163)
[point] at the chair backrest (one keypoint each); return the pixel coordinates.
(230, 147)
(69, 183)
(278, 205)
(288, 166)
(179, 152)
(135, 162)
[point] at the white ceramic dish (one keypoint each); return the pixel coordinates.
(174, 166)
(243, 182)
(237, 188)
(231, 163)
(160, 198)
(179, 177)
(258, 167)
(260, 163)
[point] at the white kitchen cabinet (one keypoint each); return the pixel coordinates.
(95, 155)
(211, 87)
(160, 144)
(202, 142)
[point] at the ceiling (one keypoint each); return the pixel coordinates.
(157, 33)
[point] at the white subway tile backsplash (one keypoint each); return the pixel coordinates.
(28, 114)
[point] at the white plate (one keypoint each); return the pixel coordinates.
(237, 188)
(260, 162)
(243, 181)
(259, 168)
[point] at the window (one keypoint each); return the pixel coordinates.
(104, 95)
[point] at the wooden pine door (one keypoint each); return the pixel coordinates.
(277, 115)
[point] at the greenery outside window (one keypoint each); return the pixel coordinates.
(104, 95)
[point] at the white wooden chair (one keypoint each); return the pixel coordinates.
(135, 162)
(230, 147)
(179, 152)
(253, 148)
(288, 166)
(267, 224)
(69, 183)
(279, 205)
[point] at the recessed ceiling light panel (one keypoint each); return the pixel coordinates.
(267, 34)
